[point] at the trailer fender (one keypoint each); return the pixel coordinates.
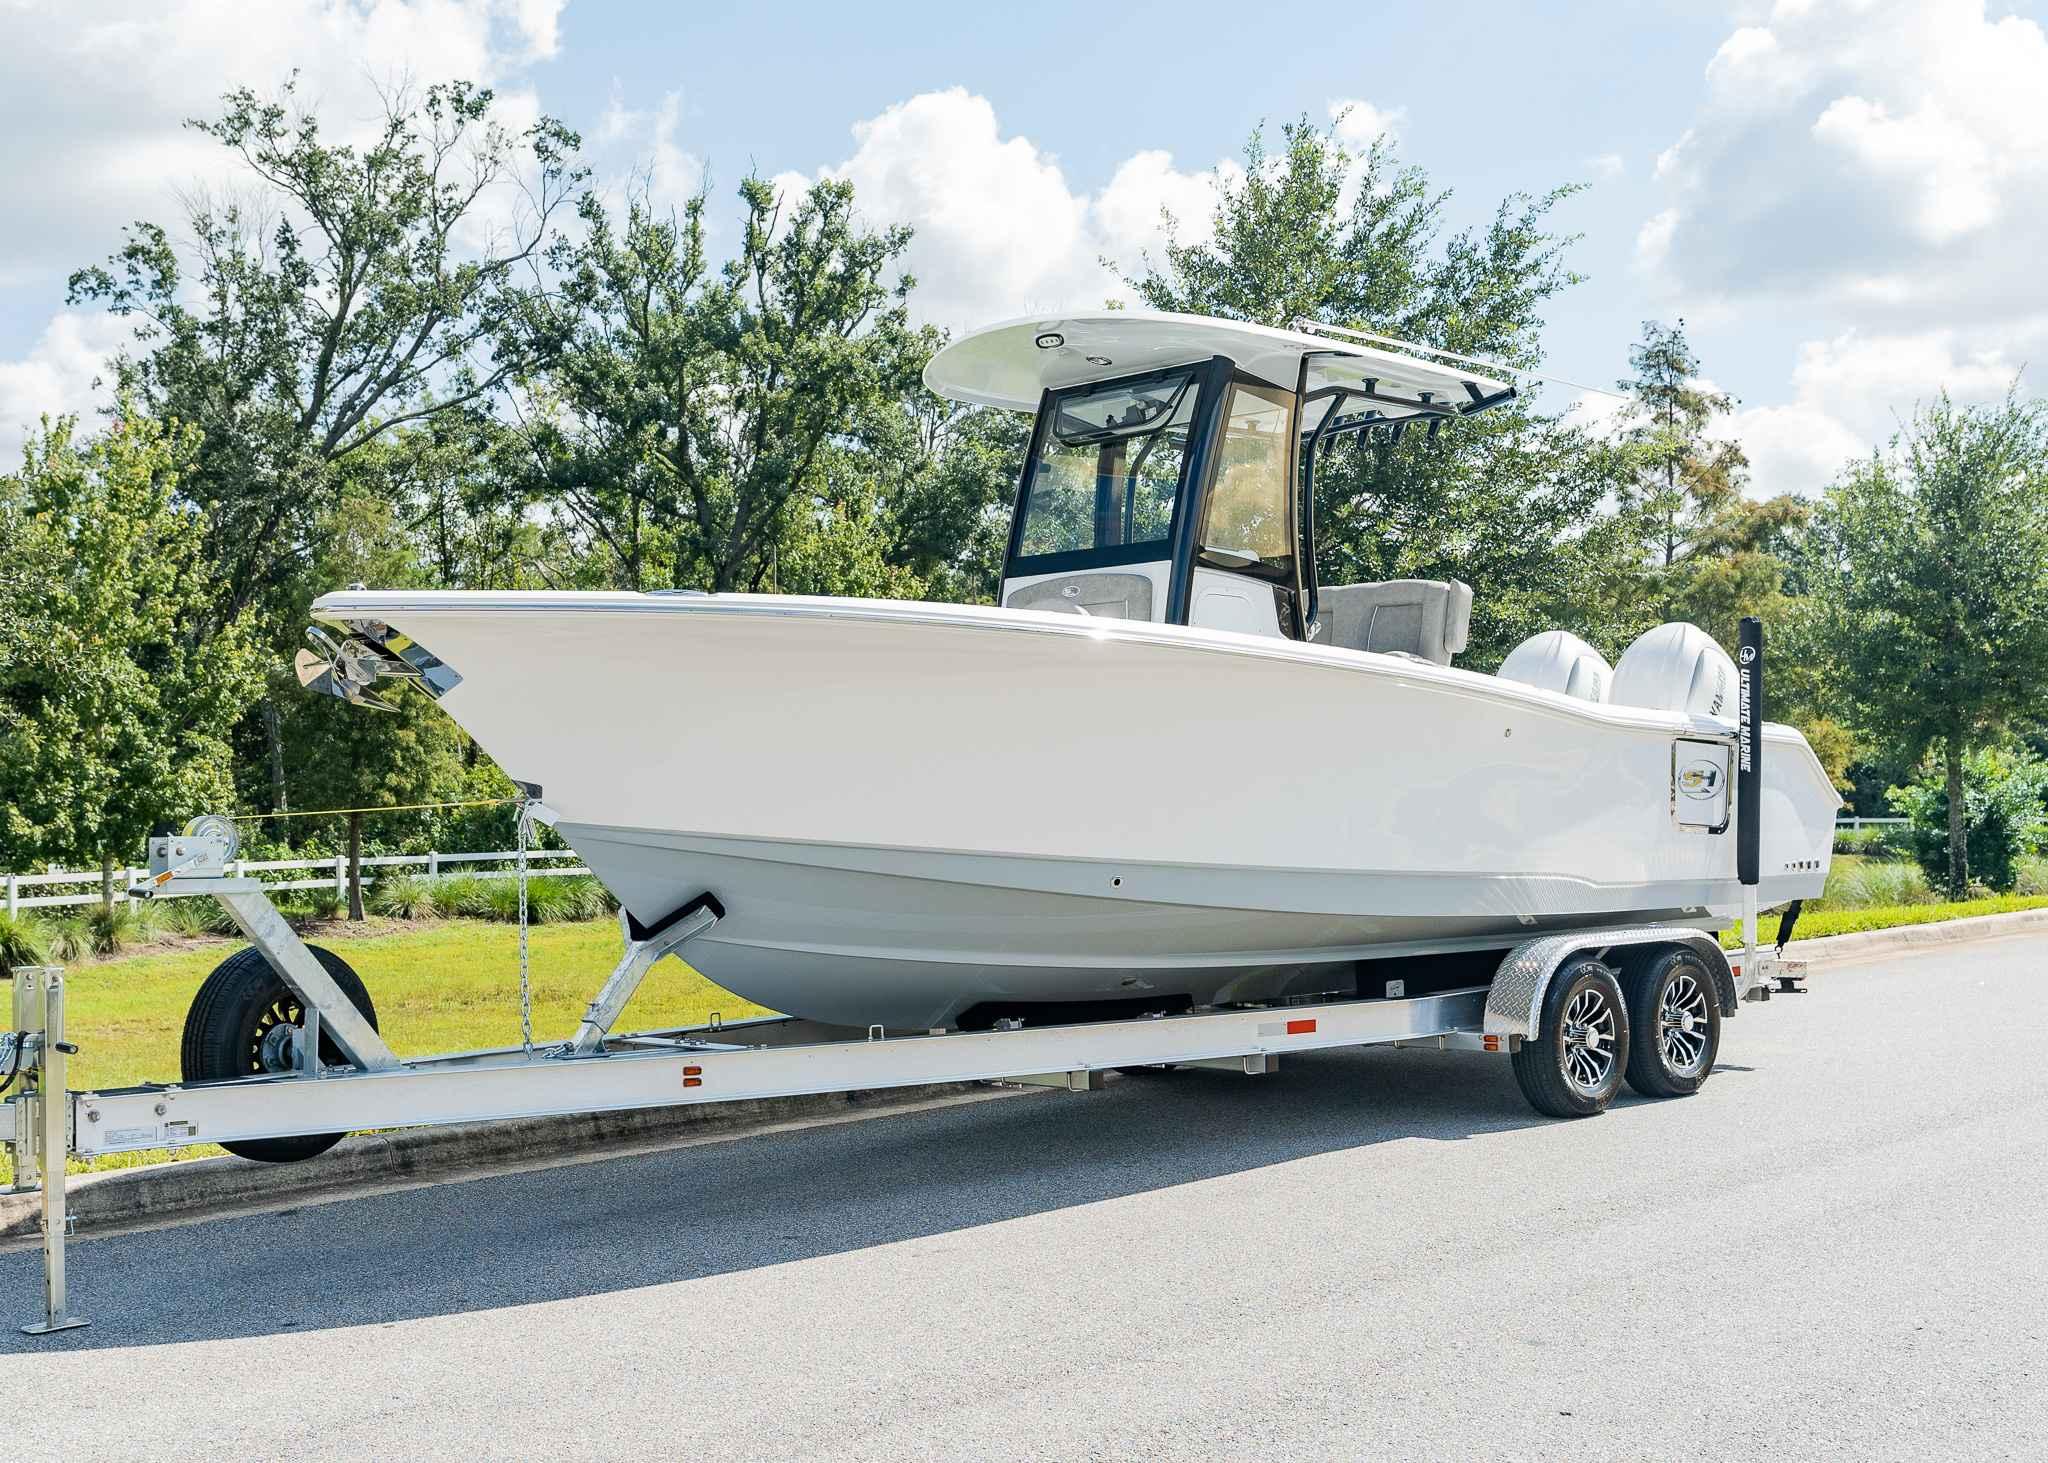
(1516, 996)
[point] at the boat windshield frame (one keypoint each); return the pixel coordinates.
(1207, 382)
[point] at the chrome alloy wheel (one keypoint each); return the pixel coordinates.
(1589, 1041)
(1682, 1025)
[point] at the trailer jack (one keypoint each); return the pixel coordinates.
(36, 1125)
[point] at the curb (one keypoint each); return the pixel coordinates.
(1866, 943)
(130, 1197)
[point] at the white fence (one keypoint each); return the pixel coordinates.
(333, 874)
(334, 871)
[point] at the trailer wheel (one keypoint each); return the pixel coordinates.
(229, 1033)
(1573, 1066)
(1675, 1024)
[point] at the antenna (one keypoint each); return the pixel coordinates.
(1317, 327)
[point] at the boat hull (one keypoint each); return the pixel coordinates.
(910, 812)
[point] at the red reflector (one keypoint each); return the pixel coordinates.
(693, 1071)
(1302, 1027)
(693, 1082)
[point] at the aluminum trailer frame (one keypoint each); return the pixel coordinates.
(596, 1071)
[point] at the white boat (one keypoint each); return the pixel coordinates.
(1170, 770)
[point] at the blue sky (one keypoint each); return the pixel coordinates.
(1839, 195)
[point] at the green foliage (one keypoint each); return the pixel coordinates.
(338, 297)
(549, 899)
(462, 895)
(2032, 878)
(1821, 923)
(1926, 569)
(2003, 815)
(22, 942)
(65, 939)
(114, 713)
(110, 929)
(194, 917)
(1886, 841)
(1712, 554)
(402, 896)
(1874, 883)
(318, 905)
(1510, 501)
(693, 414)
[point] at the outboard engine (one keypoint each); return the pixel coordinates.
(1558, 660)
(1676, 667)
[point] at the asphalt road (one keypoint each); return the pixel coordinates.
(1840, 1248)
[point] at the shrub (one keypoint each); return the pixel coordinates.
(1876, 885)
(109, 931)
(2002, 815)
(401, 896)
(65, 938)
(2033, 876)
(22, 942)
(315, 904)
(194, 917)
(460, 895)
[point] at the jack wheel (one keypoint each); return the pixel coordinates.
(241, 1024)
(1573, 1066)
(1675, 1024)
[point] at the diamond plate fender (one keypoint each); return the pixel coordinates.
(1514, 1003)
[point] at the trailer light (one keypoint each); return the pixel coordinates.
(693, 1071)
(693, 1076)
(1491, 1043)
(1302, 1027)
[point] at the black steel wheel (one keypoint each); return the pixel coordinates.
(1675, 1024)
(241, 1024)
(1574, 1065)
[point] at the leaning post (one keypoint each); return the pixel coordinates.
(1749, 779)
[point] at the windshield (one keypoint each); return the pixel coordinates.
(1108, 471)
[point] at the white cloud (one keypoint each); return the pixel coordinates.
(669, 172)
(1879, 167)
(1359, 124)
(1851, 392)
(62, 375)
(94, 109)
(999, 229)
(1606, 167)
(1898, 139)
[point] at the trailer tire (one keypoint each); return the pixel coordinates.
(1674, 1019)
(1573, 1066)
(236, 1007)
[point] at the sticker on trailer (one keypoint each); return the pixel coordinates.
(1300, 1026)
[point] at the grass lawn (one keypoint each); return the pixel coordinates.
(1818, 922)
(439, 987)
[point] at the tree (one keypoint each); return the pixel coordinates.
(338, 755)
(1711, 553)
(342, 302)
(346, 298)
(115, 713)
(692, 410)
(1510, 500)
(1927, 569)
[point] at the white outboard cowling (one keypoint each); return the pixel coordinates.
(1558, 660)
(1676, 667)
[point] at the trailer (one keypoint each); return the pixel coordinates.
(282, 1057)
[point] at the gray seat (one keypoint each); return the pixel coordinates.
(1426, 618)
